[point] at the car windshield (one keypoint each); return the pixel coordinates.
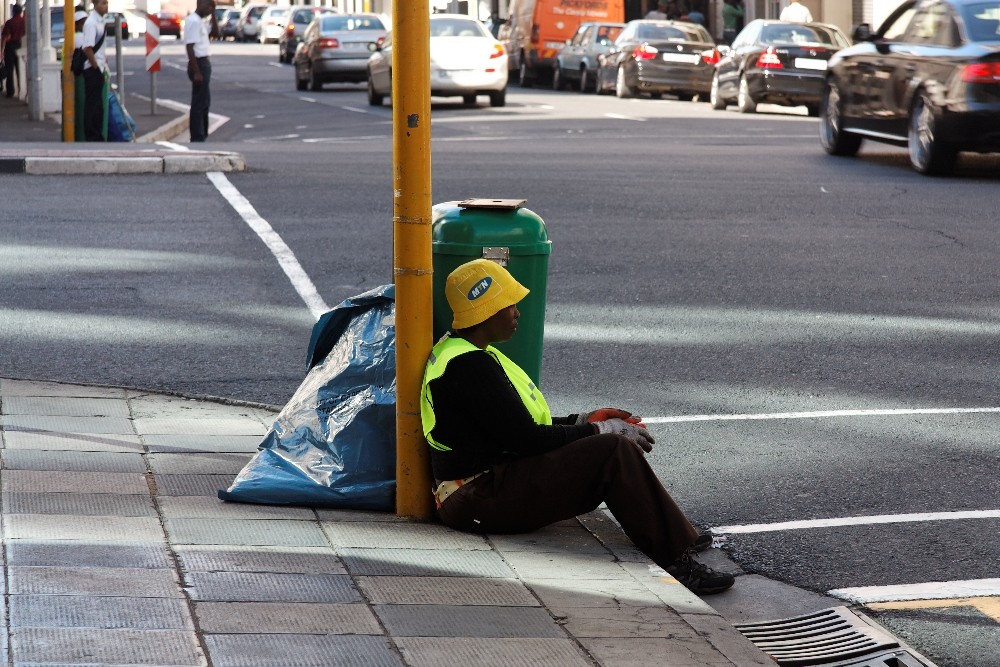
(982, 20)
(455, 28)
(278, 12)
(348, 23)
(667, 33)
(800, 34)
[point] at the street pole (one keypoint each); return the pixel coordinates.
(68, 80)
(411, 142)
(119, 60)
(33, 68)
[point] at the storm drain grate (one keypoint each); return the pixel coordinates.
(829, 637)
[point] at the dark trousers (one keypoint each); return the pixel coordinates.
(526, 494)
(93, 104)
(11, 67)
(201, 98)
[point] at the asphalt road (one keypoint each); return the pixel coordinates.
(705, 264)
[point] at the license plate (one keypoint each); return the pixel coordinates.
(355, 46)
(810, 63)
(688, 58)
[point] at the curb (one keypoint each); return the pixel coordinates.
(90, 164)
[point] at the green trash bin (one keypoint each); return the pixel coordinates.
(515, 237)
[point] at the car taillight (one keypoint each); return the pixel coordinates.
(710, 56)
(290, 29)
(644, 52)
(497, 51)
(769, 59)
(380, 41)
(981, 73)
(329, 43)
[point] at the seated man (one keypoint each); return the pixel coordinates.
(503, 464)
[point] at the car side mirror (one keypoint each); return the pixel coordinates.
(863, 33)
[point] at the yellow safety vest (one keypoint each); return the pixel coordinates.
(449, 348)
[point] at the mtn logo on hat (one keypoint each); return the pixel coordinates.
(480, 288)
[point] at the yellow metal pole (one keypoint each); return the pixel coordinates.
(68, 81)
(411, 142)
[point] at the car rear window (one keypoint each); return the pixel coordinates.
(799, 34)
(982, 20)
(668, 33)
(456, 28)
(347, 23)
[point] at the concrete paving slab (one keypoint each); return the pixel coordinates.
(91, 529)
(302, 560)
(553, 539)
(79, 442)
(756, 599)
(199, 463)
(207, 426)
(141, 555)
(286, 617)
(670, 591)
(11, 388)
(203, 507)
(39, 481)
(33, 459)
(58, 424)
(65, 405)
(655, 621)
(682, 652)
(530, 565)
(91, 646)
(192, 485)
(81, 611)
(579, 592)
(270, 587)
(363, 516)
(166, 442)
(159, 406)
(85, 504)
(423, 563)
(290, 650)
(93, 581)
(402, 536)
(250, 532)
(466, 621)
(728, 640)
(446, 591)
(491, 652)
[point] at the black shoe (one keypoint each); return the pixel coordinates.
(699, 579)
(703, 542)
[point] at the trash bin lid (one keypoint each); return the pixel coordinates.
(466, 227)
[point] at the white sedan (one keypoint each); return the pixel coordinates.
(466, 61)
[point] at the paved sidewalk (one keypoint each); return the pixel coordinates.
(118, 552)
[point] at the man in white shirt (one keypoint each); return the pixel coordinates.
(95, 126)
(796, 12)
(199, 26)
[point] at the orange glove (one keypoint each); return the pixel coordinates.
(604, 414)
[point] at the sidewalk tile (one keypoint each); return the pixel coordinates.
(283, 559)
(673, 651)
(654, 621)
(199, 463)
(84, 528)
(581, 592)
(492, 652)
(424, 563)
(466, 621)
(206, 426)
(75, 554)
(57, 424)
(77, 442)
(728, 640)
(270, 587)
(81, 611)
(11, 388)
(554, 539)
(87, 646)
(402, 536)
(95, 581)
(298, 650)
(530, 565)
(203, 507)
(258, 532)
(160, 406)
(363, 516)
(192, 485)
(162, 442)
(76, 504)
(60, 481)
(67, 406)
(446, 591)
(286, 617)
(33, 459)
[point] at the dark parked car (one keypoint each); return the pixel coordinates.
(298, 20)
(776, 62)
(659, 57)
(577, 62)
(170, 24)
(928, 79)
(227, 23)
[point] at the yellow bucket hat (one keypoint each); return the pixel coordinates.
(478, 290)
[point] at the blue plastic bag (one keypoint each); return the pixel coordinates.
(121, 127)
(334, 442)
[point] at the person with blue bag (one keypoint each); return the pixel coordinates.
(503, 464)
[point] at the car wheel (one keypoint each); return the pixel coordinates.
(374, 99)
(524, 78)
(498, 98)
(744, 101)
(929, 154)
(558, 80)
(584, 80)
(812, 110)
(831, 135)
(622, 89)
(714, 98)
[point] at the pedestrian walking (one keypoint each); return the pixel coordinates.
(10, 42)
(796, 12)
(95, 77)
(199, 28)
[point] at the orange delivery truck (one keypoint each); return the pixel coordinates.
(537, 30)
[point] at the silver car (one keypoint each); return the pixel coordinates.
(335, 47)
(577, 62)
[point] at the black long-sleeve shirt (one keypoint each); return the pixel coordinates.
(481, 418)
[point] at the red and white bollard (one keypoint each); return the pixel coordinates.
(152, 56)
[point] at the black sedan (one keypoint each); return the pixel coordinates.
(659, 57)
(776, 62)
(928, 79)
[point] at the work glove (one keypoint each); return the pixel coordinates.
(608, 413)
(636, 434)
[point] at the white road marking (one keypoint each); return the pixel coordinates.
(618, 116)
(354, 109)
(932, 590)
(286, 258)
(307, 99)
(817, 414)
(857, 521)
